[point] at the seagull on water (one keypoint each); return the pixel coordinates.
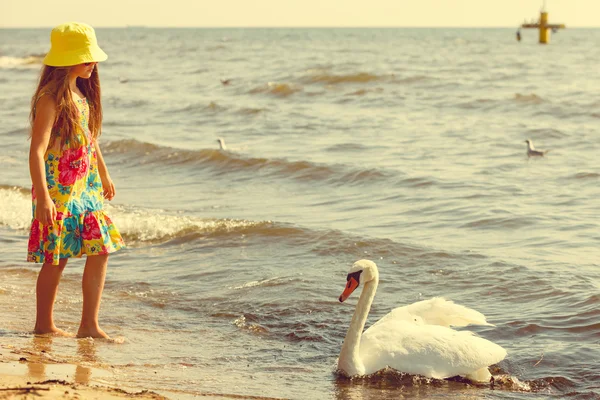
(222, 144)
(532, 152)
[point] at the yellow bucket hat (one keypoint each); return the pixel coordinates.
(73, 43)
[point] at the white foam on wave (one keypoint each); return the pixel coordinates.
(32, 62)
(8, 160)
(266, 282)
(15, 209)
(136, 223)
(151, 225)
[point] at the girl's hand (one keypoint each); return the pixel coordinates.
(109, 187)
(45, 211)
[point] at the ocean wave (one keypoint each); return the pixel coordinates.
(390, 379)
(149, 226)
(324, 76)
(333, 79)
(126, 102)
(593, 300)
(243, 323)
(344, 147)
(501, 223)
(477, 104)
(212, 107)
(135, 224)
(276, 281)
(417, 182)
(31, 61)
(141, 226)
(10, 160)
(15, 207)
(216, 47)
(157, 226)
(120, 123)
(18, 189)
(129, 146)
(544, 133)
(251, 111)
(413, 79)
(362, 92)
(229, 162)
(585, 175)
(17, 272)
(528, 98)
(198, 71)
(536, 329)
(277, 89)
(24, 132)
(273, 319)
(556, 382)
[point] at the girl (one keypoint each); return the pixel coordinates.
(69, 176)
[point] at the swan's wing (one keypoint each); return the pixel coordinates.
(436, 311)
(429, 350)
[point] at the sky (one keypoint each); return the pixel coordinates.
(295, 13)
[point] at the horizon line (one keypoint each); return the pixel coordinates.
(296, 27)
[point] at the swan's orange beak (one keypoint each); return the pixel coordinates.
(350, 286)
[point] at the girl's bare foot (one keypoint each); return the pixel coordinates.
(53, 331)
(95, 332)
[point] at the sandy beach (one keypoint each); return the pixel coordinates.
(26, 375)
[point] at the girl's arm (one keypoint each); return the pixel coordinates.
(45, 114)
(107, 183)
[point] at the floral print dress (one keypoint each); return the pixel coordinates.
(81, 226)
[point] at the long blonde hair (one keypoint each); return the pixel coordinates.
(54, 81)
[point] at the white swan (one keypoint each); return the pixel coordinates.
(415, 339)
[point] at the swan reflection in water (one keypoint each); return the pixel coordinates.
(390, 384)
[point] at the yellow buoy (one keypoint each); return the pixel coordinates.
(544, 32)
(543, 26)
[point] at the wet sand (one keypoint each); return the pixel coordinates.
(30, 376)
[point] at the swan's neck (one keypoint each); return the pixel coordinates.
(349, 360)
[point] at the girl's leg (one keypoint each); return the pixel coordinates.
(92, 285)
(46, 289)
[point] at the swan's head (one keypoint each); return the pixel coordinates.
(362, 271)
(529, 143)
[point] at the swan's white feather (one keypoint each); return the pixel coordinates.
(436, 311)
(430, 350)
